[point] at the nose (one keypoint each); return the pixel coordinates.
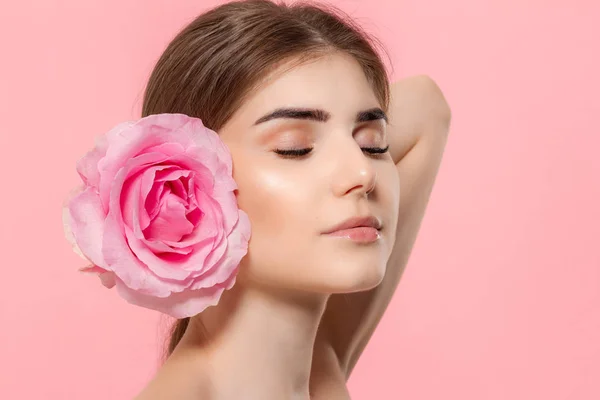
(355, 172)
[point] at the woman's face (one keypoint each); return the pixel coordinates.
(301, 175)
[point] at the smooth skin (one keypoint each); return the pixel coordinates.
(419, 125)
(279, 333)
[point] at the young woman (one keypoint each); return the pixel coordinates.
(334, 168)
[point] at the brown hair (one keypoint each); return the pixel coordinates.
(217, 60)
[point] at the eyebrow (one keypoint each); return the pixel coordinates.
(318, 115)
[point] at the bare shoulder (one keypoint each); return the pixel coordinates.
(417, 132)
(178, 379)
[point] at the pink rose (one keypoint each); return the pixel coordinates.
(157, 215)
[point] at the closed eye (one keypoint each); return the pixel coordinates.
(375, 150)
(296, 153)
(293, 153)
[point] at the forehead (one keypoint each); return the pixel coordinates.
(335, 83)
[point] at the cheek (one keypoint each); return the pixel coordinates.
(389, 191)
(272, 199)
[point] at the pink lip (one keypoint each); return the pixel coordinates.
(361, 234)
(359, 229)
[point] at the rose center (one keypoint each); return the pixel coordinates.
(176, 212)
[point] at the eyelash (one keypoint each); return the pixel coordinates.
(293, 153)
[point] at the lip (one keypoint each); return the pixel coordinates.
(356, 223)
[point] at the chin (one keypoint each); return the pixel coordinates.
(319, 271)
(354, 277)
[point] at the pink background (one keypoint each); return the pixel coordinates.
(501, 299)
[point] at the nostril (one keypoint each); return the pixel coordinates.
(371, 185)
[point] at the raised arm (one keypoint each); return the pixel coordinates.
(418, 130)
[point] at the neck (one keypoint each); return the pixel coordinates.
(259, 342)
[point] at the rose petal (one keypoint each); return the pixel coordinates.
(106, 277)
(218, 167)
(87, 166)
(194, 216)
(171, 222)
(177, 305)
(67, 222)
(208, 140)
(209, 225)
(206, 239)
(167, 266)
(203, 177)
(229, 208)
(155, 264)
(150, 193)
(125, 187)
(130, 195)
(173, 173)
(128, 268)
(86, 217)
(168, 148)
(237, 248)
(115, 250)
(124, 146)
